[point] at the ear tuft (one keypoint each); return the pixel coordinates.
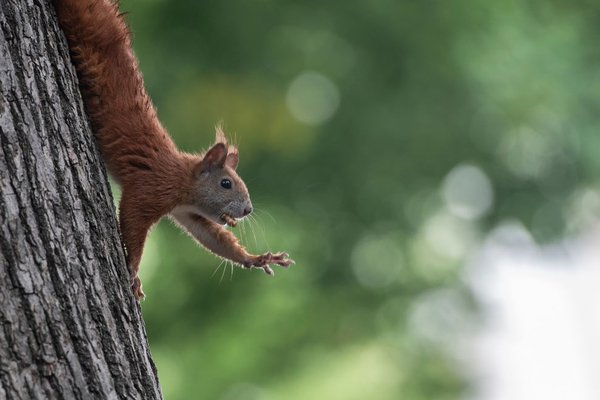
(214, 158)
(220, 134)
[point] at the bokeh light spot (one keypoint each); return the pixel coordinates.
(526, 152)
(449, 236)
(312, 98)
(468, 192)
(377, 260)
(439, 316)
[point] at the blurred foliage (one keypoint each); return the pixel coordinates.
(380, 141)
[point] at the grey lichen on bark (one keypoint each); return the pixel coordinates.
(69, 325)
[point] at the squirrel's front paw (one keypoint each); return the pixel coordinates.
(136, 287)
(263, 261)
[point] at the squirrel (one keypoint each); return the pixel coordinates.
(202, 193)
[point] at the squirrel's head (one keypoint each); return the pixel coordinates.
(219, 193)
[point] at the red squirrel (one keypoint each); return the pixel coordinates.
(200, 192)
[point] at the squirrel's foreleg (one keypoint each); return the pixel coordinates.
(223, 243)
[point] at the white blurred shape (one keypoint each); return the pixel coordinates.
(542, 313)
(468, 192)
(312, 98)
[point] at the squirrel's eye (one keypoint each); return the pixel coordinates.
(226, 183)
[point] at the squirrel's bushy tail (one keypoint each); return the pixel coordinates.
(113, 89)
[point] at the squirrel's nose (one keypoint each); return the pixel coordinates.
(247, 210)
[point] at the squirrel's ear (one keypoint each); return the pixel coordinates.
(233, 158)
(214, 158)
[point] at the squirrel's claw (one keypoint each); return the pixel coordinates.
(262, 261)
(268, 270)
(136, 287)
(282, 259)
(229, 220)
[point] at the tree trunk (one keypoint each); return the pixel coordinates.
(69, 325)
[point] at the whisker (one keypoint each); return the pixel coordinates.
(243, 236)
(248, 230)
(262, 231)
(253, 220)
(218, 266)
(223, 273)
(267, 213)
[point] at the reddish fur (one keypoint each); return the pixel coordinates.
(154, 175)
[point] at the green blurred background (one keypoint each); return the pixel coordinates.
(380, 141)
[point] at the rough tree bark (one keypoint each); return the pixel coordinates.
(69, 325)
